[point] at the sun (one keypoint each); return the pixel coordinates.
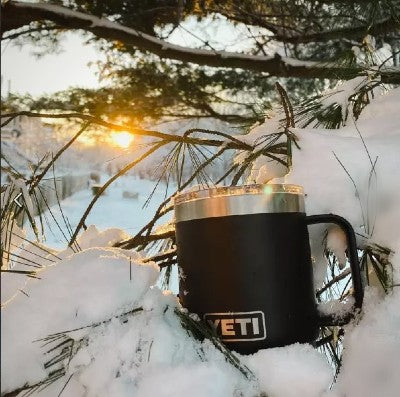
(122, 139)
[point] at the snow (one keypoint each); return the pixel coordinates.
(118, 352)
(153, 354)
(328, 161)
(372, 209)
(336, 307)
(336, 243)
(372, 350)
(296, 370)
(111, 210)
(369, 151)
(92, 237)
(141, 354)
(325, 170)
(77, 291)
(263, 169)
(339, 96)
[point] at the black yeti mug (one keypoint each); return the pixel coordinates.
(245, 263)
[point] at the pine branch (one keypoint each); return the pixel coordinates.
(144, 240)
(228, 142)
(233, 144)
(161, 210)
(18, 14)
(200, 330)
(386, 25)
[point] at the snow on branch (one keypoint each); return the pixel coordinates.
(287, 35)
(18, 14)
(384, 26)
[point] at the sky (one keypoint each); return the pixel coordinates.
(53, 72)
(59, 71)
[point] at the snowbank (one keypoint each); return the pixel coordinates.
(82, 289)
(130, 340)
(372, 348)
(328, 166)
(143, 353)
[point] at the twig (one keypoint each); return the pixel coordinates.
(329, 284)
(54, 218)
(160, 257)
(160, 212)
(65, 385)
(354, 184)
(57, 334)
(58, 154)
(36, 245)
(140, 240)
(25, 259)
(66, 223)
(287, 106)
(32, 253)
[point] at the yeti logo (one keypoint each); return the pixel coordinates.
(238, 326)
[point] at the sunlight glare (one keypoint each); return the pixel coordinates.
(122, 139)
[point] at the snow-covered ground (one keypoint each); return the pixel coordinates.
(112, 210)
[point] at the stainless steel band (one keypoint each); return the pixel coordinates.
(238, 200)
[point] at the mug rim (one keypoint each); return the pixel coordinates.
(239, 190)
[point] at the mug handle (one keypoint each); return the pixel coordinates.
(354, 267)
